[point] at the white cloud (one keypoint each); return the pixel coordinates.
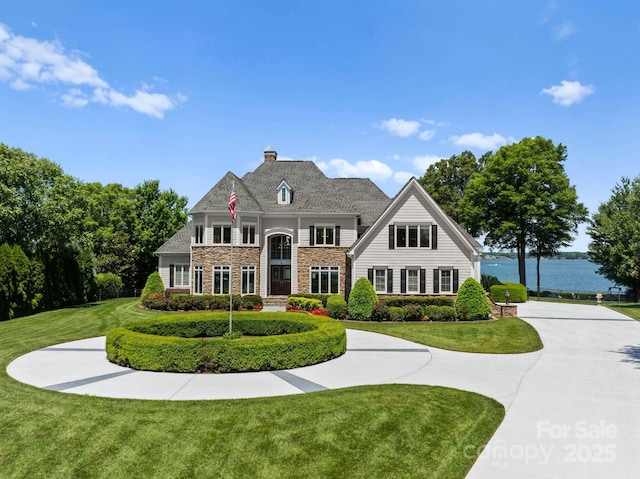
(402, 176)
(479, 141)
(75, 98)
(563, 30)
(569, 92)
(427, 135)
(400, 127)
(25, 62)
(421, 163)
(374, 169)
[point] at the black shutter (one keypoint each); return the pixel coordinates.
(389, 281)
(171, 273)
(423, 281)
(337, 236)
(312, 235)
(370, 275)
(436, 281)
(434, 236)
(391, 237)
(403, 280)
(455, 280)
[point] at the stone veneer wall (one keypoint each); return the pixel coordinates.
(208, 256)
(320, 256)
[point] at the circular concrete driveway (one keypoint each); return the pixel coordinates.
(573, 408)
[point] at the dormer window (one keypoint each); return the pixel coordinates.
(285, 194)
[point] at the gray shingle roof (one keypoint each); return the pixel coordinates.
(313, 192)
(179, 242)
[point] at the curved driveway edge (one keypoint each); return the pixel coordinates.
(576, 413)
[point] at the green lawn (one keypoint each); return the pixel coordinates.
(372, 431)
(629, 309)
(504, 335)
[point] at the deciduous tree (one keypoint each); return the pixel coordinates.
(615, 236)
(522, 199)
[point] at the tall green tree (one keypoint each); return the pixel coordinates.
(615, 236)
(446, 181)
(522, 199)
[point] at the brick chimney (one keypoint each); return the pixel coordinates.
(270, 154)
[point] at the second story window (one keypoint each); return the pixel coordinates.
(324, 235)
(249, 234)
(199, 234)
(222, 234)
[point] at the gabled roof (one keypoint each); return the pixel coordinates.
(179, 243)
(217, 199)
(441, 217)
(313, 192)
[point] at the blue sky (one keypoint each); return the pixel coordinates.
(184, 91)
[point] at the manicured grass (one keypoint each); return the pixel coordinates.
(629, 309)
(502, 336)
(370, 431)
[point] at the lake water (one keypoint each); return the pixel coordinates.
(570, 275)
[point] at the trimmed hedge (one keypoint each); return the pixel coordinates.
(396, 313)
(471, 301)
(188, 302)
(380, 312)
(184, 342)
(517, 292)
(336, 307)
(301, 303)
(402, 301)
(322, 297)
(440, 313)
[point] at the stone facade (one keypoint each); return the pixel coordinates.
(208, 256)
(320, 256)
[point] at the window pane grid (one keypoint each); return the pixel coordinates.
(325, 279)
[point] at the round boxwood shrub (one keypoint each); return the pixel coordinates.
(471, 301)
(193, 342)
(517, 292)
(336, 307)
(153, 285)
(361, 299)
(431, 312)
(413, 312)
(446, 313)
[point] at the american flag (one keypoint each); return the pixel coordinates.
(232, 204)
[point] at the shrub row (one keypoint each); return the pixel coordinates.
(274, 341)
(401, 301)
(302, 303)
(412, 312)
(517, 292)
(202, 302)
(321, 297)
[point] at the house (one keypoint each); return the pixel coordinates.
(298, 231)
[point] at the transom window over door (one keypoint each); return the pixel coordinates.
(280, 247)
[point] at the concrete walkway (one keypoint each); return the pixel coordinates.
(573, 409)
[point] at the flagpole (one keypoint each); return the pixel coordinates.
(232, 211)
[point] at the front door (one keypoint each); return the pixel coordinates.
(280, 279)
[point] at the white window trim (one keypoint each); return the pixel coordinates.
(195, 234)
(450, 283)
(406, 226)
(255, 233)
(198, 269)
(409, 290)
(219, 268)
(175, 275)
(324, 269)
(247, 268)
(386, 272)
(324, 226)
(222, 227)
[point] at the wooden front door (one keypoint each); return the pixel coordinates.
(280, 279)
